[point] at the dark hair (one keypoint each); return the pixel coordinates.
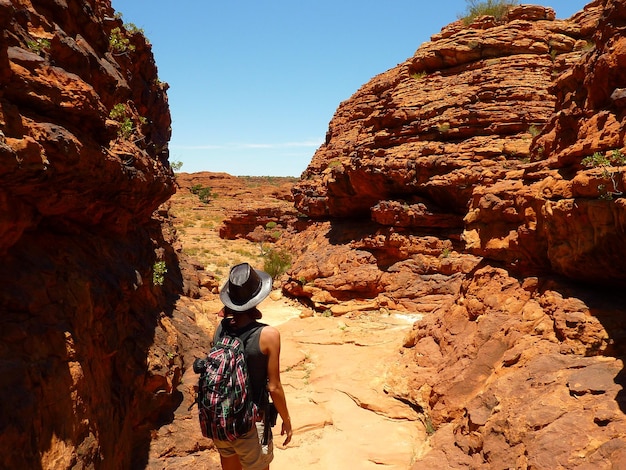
(253, 312)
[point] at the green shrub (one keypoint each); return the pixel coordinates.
(606, 163)
(602, 160)
(495, 8)
(418, 75)
(39, 45)
(118, 112)
(534, 130)
(443, 127)
(158, 273)
(203, 192)
(119, 43)
(276, 262)
(205, 195)
(126, 128)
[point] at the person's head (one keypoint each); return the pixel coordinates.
(245, 288)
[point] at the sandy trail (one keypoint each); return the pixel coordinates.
(333, 369)
(334, 372)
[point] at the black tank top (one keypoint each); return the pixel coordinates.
(255, 359)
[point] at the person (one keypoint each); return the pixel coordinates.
(245, 288)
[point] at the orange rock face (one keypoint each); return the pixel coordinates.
(446, 145)
(468, 128)
(60, 86)
(480, 183)
(90, 362)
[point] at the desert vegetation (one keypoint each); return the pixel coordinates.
(609, 171)
(204, 193)
(199, 210)
(495, 8)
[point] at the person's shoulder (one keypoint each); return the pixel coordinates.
(270, 333)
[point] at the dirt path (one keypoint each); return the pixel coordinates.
(334, 371)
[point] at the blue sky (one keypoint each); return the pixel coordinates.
(254, 84)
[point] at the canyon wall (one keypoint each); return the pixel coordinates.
(479, 183)
(90, 354)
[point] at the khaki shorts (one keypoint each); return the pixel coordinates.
(252, 454)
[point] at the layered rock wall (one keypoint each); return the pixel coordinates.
(480, 184)
(89, 356)
(441, 145)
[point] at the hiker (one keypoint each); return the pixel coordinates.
(245, 289)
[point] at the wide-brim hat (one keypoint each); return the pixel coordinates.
(246, 288)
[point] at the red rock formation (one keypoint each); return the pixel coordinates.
(559, 214)
(91, 351)
(456, 115)
(581, 210)
(441, 144)
(519, 374)
(462, 173)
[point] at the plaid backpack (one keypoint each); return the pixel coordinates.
(226, 409)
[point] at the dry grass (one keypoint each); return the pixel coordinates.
(198, 224)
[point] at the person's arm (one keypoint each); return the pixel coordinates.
(270, 346)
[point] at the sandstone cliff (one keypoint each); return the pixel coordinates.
(90, 354)
(480, 183)
(455, 185)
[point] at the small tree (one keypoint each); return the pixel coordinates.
(607, 163)
(176, 165)
(203, 192)
(276, 262)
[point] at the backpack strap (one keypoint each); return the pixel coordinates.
(244, 335)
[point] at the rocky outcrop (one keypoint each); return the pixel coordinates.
(519, 374)
(458, 114)
(259, 208)
(577, 183)
(67, 96)
(91, 348)
(480, 183)
(444, 145)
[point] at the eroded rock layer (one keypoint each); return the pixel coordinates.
(444, 140)
(90, 350)
(480, 183)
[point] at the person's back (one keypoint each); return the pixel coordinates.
(255, 359)
(244, 290)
